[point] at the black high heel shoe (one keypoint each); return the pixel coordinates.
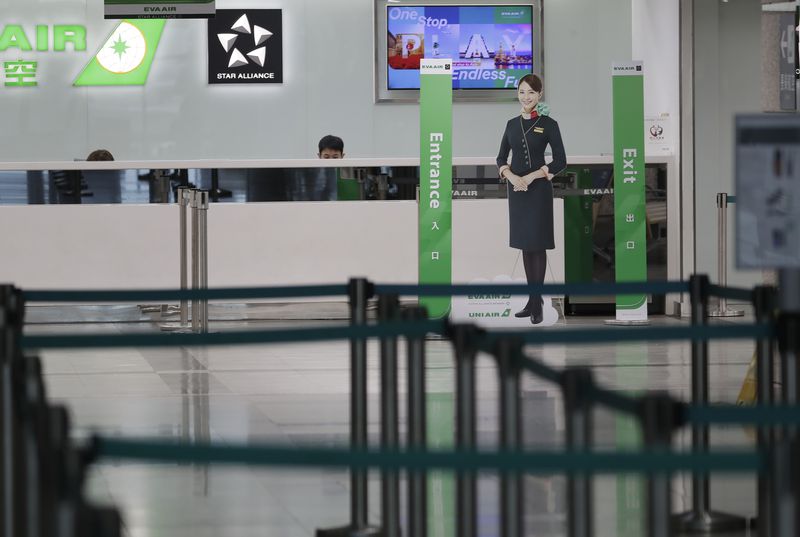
(524, 312)
(538, 317)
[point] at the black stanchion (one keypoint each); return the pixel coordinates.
(701, 519)
(789, 345)
(764, 302)
(388, 311)
(508, 353)
(417, 423)
(33, 410)
(466, 436)
(11, 319)
(658, 414)
(785, 480)
(576, 384)
(359, 291)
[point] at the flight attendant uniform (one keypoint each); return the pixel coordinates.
(530, 212)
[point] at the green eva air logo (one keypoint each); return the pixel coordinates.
(126, 56)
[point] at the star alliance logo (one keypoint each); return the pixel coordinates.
(245, 47)
(242, 27)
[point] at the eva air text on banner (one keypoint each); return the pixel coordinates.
(629, 186)
(435, 179)
(161, 9)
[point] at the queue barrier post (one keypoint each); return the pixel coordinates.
(722, 309)
(508, 352)
(184, 195)
(785, 479)
(360, 290)
(33, 403)
(576, 384)
(417, 425)
(701, 519)
(389, 311)
(764, 303)
(658, 415)
(466, 418)
(194, 202)
(12, 309)
(202, 206)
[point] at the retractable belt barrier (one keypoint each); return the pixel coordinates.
(42, 470)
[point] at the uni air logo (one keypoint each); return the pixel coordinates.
(126, 56)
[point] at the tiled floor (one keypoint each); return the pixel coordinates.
(298, 394)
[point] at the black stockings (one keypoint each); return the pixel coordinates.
(535, 262)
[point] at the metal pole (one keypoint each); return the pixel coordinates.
(183, 194)
(32, 405)
(722, 257)
(12, 309)
(359, 291)
(764, 302)
(195, 204)
(466, 435)
(658, 422)
(388, 310)
(417, 423)
(203, 250)
(576, 383)
(789, 305)
(701, 519)
(508, 352)
(783, 470)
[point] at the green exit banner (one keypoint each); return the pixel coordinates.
(436, 180)
(629, 187)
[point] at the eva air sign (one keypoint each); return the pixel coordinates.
(124, 58)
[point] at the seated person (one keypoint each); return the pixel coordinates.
(331, 146)
(100, 155)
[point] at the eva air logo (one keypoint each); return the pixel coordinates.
(126, 56)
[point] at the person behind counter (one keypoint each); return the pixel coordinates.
(530, 193)
(331, 146)
(100, 155)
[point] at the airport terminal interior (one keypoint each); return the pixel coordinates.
(261, 267)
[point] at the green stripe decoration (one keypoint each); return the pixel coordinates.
(630, 254)
(532, 462)
(436, 180)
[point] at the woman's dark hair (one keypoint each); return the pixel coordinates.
(100, 154)
(533, 81)
(331, 142)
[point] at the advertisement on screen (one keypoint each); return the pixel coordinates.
(491, 47)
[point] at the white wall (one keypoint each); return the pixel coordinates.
(136, 246)
(328, 59)
(727, 82)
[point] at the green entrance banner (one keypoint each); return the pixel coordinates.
(629, 186)
(435, 180)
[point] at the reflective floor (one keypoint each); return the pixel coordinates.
(298, 394)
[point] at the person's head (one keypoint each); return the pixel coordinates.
(100, 154)
(529, 91)
(331, 147)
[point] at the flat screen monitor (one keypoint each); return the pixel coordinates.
(492, 44)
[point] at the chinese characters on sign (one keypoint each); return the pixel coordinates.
(20, 73)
